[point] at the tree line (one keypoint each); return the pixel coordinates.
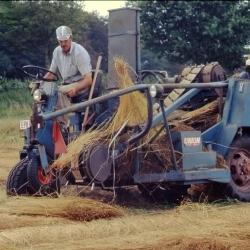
(196, 31)
(27, 32)
(172, 32)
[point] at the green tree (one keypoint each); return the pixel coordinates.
(27, 31)
(198, 31)
(95, 38)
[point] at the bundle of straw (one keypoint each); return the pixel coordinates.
(132, 110)
(71, 208)
(201, 118)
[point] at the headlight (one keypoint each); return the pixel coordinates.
(153, 91)
(39, 95)
(156, 91)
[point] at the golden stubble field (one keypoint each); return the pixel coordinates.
(44, 223)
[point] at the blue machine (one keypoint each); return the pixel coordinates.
(228, 138)
(199, 151)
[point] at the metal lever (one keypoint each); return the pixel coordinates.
(166, 126)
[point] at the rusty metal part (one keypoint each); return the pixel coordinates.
(188, 75)
(212, 72)
(240, 168)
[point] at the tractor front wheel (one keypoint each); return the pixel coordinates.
(17, 181)
(41, 183)
(238, 160)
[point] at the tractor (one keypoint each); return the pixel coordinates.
(229, 138)
(43, 141)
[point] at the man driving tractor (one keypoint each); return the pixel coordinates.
(72, 62)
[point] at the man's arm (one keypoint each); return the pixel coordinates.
(84, 67)
(83, 84)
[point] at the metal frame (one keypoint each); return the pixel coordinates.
(202, 174)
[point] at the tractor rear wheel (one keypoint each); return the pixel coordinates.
(41, 183)
(158, 193)
(238, 160)
(17, 181)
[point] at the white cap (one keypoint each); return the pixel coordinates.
(248, 62)
(63, 33)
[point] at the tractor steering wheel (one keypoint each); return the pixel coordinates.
(38, 73)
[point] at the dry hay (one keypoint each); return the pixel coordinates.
(132, 111)
(71, 208)
(14, 221)
(201, 118)
(75, 148)
(190, 243)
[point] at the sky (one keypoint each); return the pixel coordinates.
(102, 7)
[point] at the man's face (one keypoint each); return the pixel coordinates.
(65, 45)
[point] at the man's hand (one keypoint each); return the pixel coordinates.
(72, 91)
(76, 87)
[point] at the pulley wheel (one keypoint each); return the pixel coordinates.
(99, 165)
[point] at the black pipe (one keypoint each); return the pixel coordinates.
(147, 127)
(168, 134)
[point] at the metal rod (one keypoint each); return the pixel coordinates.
(193, 85)
(168, 134)
(85, 104)
(130, 89)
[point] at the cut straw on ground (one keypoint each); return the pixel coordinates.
(71, 208)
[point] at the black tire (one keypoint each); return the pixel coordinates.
(39, 183)
(238, 160)
(157, 193)
(17, 181)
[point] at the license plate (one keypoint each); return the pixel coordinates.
(24, 124)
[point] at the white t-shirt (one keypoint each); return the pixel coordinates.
(73, 65)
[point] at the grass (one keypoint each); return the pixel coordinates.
(15, 103)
